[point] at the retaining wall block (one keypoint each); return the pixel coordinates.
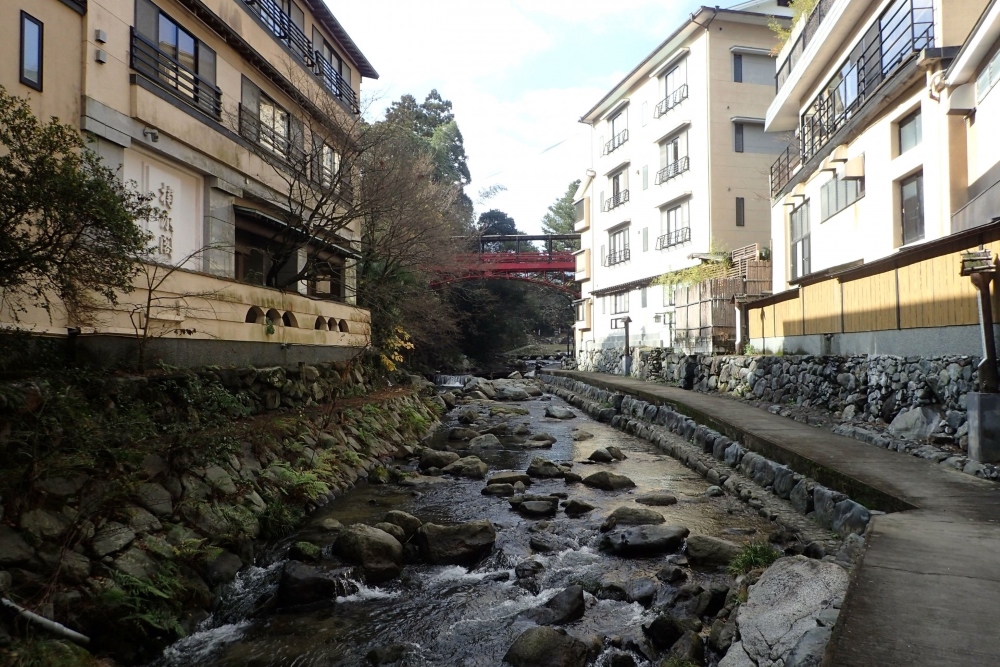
(824, 503)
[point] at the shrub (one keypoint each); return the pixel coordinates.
(753, 556)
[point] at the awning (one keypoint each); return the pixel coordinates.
(260, 216)
(624, 287)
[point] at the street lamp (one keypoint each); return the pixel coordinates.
(627, 359)
(983, 406)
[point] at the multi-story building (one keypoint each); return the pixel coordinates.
(886, 180)
(202, 102)
(678, 171)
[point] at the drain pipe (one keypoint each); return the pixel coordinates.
(42, 622)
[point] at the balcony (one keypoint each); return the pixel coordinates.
(615, 201)
(812, 23)
(282, 26)
(616, 142)
(618, 256)
(581, 211)
(335, 83)
(905, 28)
(676, 237)
(176, 79)
(273, 140)
(673, 169)
(672, 99)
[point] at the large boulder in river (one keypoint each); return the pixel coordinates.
(782, 607)
(543, 646)
(601, 456)
(540, 467)
(302, 584)
(509, 478)
(565, 607)
(432, 458)
(485, 441)
(608, 481)
(558, 412)
(470, 466)
(702, 549)
(409, 523)
(636, 516)
(644, 540)
(657, 499)
(462, 433)
(481, 385)
(461, 544)
(379, 554)
(513, 393)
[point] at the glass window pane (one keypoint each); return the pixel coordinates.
(185, 49)
(913, 215)
(168, 36)
(31, 51)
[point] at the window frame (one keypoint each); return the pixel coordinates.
(737, 68)
(741, 212)
(267, 140)
(918, 178)
(914, 120)
(738, 140)
(619, 303)
(28, 18)
(800, 262)
(825, 210)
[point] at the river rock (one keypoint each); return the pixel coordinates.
(544, 468)
(543, 646)
(688, 650)
(136, 563)
(509, 478)
(705, 550)
(538, 507)
(111, 538)
(73, 567)
(809, 650)
(558, 412)
(664, 631)
(155, 498)
(501, 490)
(782, 606)
(470, 466)
(409, 523)
(644, 540)
(449, 398)
(566, 607)
(43, 524)
(223, 568)
(608, 481)
(462, 433)
(513, 393)
(485, 441)
(481, 385)
(616, 452)
(468, 416)
(657, 499)
(916, 423)
(575, 508)
(636, 516)
(579, 435)
(432, 458)
(302, 584)
(547, 542)
(461, 544)
(601, 456)
(379, 554)
(542, 440)
(393, 530)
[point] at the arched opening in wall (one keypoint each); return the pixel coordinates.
(332, 324)
(289, 320)
(273, 318)
(321, 324)
(343, 326)
(255, 315)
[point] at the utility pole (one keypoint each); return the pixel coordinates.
(983, 406)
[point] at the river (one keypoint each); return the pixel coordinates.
(454, 616)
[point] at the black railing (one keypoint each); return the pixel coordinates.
(335, 83)
(173, 77)
(813, 21)
(906, 27)
(616, 141)
(676, 237)
(276, 141)
(281, 24)
(678, 95)
(615, 201)
(618, 256)
(673, 169)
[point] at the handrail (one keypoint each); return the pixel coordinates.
(281, 24)
(813, 21)
(618, 256)
(673, 98)
(784, 168)
(616, 142)
(615, 201)
(676, 237)
(253, 130)
(174, 77)
(335, 83)
(673, 169)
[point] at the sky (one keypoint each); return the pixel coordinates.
(520, 74)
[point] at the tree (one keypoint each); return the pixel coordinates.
(561, 218)
(68, 224)
(497, 223)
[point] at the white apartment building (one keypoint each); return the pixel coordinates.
(679, 169)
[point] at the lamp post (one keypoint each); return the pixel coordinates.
(983, 406)
(627, 359)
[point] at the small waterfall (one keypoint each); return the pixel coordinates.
(451, 380)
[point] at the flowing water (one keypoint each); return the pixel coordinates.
(459, 616)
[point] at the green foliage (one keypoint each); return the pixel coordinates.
(279, 520)
(70, 227)
(195, 551)
(308, 549)
(749, 350)
(753, 556)
(44, 652)
(801, 9)
(561, 218)
(298, 485)
(413, 420)
(150, 606)
(379, 475)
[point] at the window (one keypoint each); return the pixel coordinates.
(673, 158)
(739, 137)
(581, 311)
(619, 303)
(619, 190)
(604, 305)
(179, 44)
(645, 177)
(618, 250)
(674, 227)
(909, 132)
(329, 165)
(738, 67)
(673, 87)
(837, 194)
(753, 68)
(642, 296)
(912, 195)
(273, 126)
(31, 51)
(670, 151)
(988, 77)
(750, 137)
(740, 212)
(800, 254)
(645, 239)
(619, 131)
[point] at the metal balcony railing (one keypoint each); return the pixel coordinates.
(812, 23)
(675, 237)
(616, 142)
(906, 27)
(615, 201)
(673, 169)
(673, 98)
(277, 141)
(173, 77)
(618, 256)
(281, 24)
(335, 83)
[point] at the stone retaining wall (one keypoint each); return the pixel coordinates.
(831, 509)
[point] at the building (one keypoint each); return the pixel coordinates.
(678, 172)
(204, 103)
(886, 181)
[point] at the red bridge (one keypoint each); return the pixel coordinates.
(516, 257)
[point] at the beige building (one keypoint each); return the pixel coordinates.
(887, 177)
(203, 103)
(678, 170)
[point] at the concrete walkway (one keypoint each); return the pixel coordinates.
(927, 592)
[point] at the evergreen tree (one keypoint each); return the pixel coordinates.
(561, 218)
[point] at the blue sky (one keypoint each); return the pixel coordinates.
(520, 73)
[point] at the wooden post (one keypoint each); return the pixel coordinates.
(988, 381)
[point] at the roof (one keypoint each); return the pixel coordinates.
(977, 46)
(329, 21)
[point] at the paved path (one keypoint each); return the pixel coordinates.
(927, 593)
